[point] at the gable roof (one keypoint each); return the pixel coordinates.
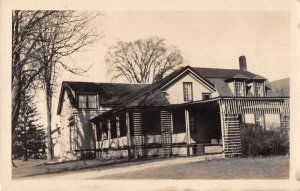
(132, 95)
(143, 94)
(222, 73)
(213, 77)
(221, 86)
(112, 94)
(218, 77)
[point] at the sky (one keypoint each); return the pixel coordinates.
(206, 39)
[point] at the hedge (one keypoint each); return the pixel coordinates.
(258, 142)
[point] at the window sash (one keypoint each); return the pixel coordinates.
(259, 91)
(239, 89)
(87, 101)
(82, 101)
(92, 101)
(187, 91)
(259, 120)
(206, 96)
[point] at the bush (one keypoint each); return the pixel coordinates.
(87, 155)
(257, 142)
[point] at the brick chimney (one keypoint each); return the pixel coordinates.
(243, 63)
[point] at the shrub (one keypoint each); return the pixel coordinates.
(87, 155)
(257, 142)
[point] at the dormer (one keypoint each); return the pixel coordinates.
(242, 85)
(237, 85)
(257, 86)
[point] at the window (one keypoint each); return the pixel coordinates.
(187, 91)
(259, 89)
(87, 101)
(272, 122)
(239, 89)
(259, 120)
(206, 96)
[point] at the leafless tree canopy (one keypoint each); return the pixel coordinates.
(40, 40)
(142, 61)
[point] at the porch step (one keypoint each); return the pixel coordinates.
(234, 143)
(231, 138)
(233, 151)
(231, 135)
(232, 154)
(234, 134)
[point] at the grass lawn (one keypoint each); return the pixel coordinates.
(230, 168)
(34, 167)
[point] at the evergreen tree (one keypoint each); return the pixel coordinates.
(28, 140)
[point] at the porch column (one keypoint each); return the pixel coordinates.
(187, 129)
(109, 133)
(101, 135)
(128, 134)
(139, 139)
(118, 130)
(95, 134)
(101, 141)
(76, 130)
(166, 132)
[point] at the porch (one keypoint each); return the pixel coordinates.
(195, 128)
(159, 131)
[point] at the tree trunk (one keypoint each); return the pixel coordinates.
(16, 100)
(50, 154)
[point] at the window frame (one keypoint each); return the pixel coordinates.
(235, 88)
(263, 89)
(205, 94)
(86, 95)
(259, 119)
(184, 85)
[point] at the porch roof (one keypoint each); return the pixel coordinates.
(111, 112)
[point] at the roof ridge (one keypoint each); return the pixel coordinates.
(217, 68)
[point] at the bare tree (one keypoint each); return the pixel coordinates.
(24, 54)
(66, 32)
(39, 40)
(142, 61)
